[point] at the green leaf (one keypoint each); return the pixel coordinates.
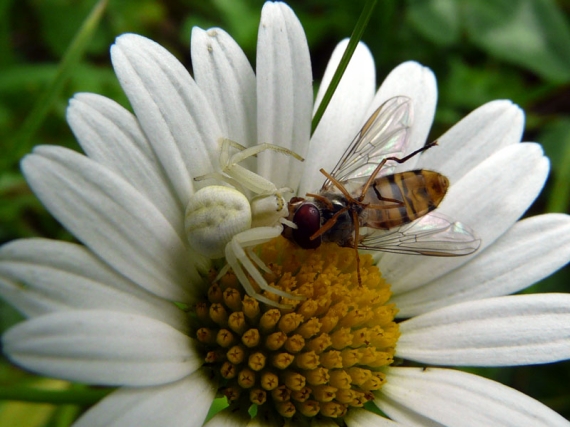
(136, 16)
(6, 44)
(219, 404)
(530, 33)
(483, 83)
(437, 20)
(242, 19)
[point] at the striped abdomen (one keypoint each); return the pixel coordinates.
(403, 197)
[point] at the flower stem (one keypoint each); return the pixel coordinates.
(355, 37)
(74, 396)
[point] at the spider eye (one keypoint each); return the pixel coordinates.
(308, 221)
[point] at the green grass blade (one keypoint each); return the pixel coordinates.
(355, 37)
(22, 142)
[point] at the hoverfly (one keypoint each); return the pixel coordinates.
(364, 204)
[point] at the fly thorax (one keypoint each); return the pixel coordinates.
(268, 209)
(342, 232)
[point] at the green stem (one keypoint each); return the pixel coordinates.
(83, 397)
(65, 415)
(355, 37)
(21, 143)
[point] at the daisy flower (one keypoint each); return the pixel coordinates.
(134, 306)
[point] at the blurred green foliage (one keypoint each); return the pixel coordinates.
(480, 50)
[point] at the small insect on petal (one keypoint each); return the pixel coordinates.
(364, 204)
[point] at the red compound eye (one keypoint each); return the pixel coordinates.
(308, 221)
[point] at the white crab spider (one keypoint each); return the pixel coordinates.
(221, 221)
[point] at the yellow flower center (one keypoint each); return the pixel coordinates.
(324, 355)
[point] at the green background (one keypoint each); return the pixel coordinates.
(480, 50)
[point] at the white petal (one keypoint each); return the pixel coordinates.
(453, 398)
(363, 418)
(182, 403)
(102, 348)
(418, 83)
(284, 93)
(489, 199)
(344, 115)
(39, 276)
(406, 416)
(111, 135)
(111, 218)
(171, 109)
(226, 78)
(503, 331)
(529, 251)
(480, 134)
(358, 80)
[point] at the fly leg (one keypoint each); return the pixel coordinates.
(395, 159)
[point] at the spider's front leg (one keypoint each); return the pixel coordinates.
(237, 257)
(246, 178)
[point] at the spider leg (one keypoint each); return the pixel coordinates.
(235, 253)
(233, 262)
(256, 149)
(222, 272)
(257, 260)
(248, 179)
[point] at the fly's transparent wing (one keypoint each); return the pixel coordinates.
(433, 234)
(385, 134)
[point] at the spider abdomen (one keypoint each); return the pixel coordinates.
(214, 215)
